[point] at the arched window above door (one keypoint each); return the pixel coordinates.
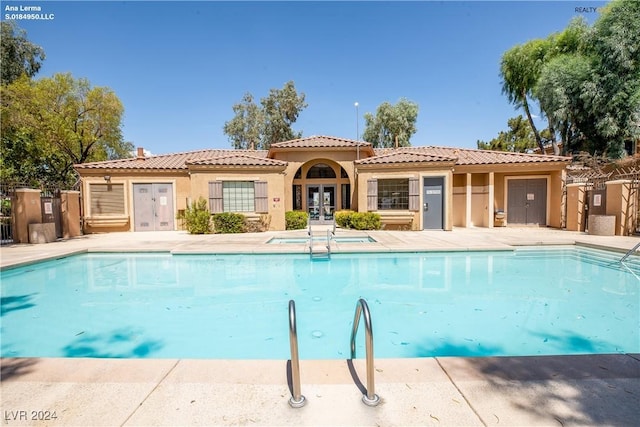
(321, 170)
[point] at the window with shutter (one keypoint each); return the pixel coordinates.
(107, 199)
(261, 199)
(414, 194)
(372, 194)
(215, 196)
(393, 194)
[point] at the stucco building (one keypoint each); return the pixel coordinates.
(412, 188)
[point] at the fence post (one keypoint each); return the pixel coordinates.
(620, 204)
(70, 207)
(27, 210)
(576, 199)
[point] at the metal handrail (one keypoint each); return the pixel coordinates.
(370, 398)
(310, 241)
(297, 399)
(632, 250)
(329, 243)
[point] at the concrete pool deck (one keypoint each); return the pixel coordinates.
(444, 391)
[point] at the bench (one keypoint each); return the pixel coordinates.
(401, 219)
(107, 221)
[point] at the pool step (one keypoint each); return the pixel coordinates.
(320, 252)
(592, 256)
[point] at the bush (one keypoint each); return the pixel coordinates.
(259, 226)
(343, 219)
(229, 222)
(197, 218)
(358, 220)
(295, 220)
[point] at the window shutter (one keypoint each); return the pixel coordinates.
(215, 196)
(414, 194)
(261, 199)
(372, 195)
(107, 199)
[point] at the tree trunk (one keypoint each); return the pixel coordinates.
(525, 105)
(554, 143)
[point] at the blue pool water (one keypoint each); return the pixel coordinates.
(522, 302)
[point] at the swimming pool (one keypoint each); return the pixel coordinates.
(525, 302)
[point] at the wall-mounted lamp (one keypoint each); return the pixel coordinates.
(107, 178)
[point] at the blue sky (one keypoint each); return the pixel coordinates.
(179, 66)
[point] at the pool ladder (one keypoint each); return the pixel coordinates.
(293, 367)
(321, 253)
(369, 397)
(631, 251)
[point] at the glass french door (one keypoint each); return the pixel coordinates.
(321, 203)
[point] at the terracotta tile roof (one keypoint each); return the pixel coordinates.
(405, 157)
(174, 161)
(467, 156)
(321, 141)
(230, 157)
(237, 159)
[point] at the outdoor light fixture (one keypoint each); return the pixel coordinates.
(107, 178)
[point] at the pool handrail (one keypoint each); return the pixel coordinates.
(632, 250)
(362, 309)
(328, 243)
(297, 400)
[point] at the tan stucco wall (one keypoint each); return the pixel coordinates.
(107, 223)
(70, 206)
(472, 193)
(459, 202)
(621, 205)
(554, 215)
(275, 188)
(576, 199)
(27, 210)
(480, 200)
(391, 173)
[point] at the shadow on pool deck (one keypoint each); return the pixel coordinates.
(545, 390)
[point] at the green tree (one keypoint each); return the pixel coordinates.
(519, 68)
(591, 91)
(391, 122)
(18, 55)
(257, 127)
(559, 90)
(281, 109)
(246, 128)
(53, 123)
(612, 95)
(519, 138)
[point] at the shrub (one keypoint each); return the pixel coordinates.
(343, 219)
(229, 222)
(295, 220)
(196, 218)
(358, 220)
(262, 224)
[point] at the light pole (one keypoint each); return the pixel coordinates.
(357, 133)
